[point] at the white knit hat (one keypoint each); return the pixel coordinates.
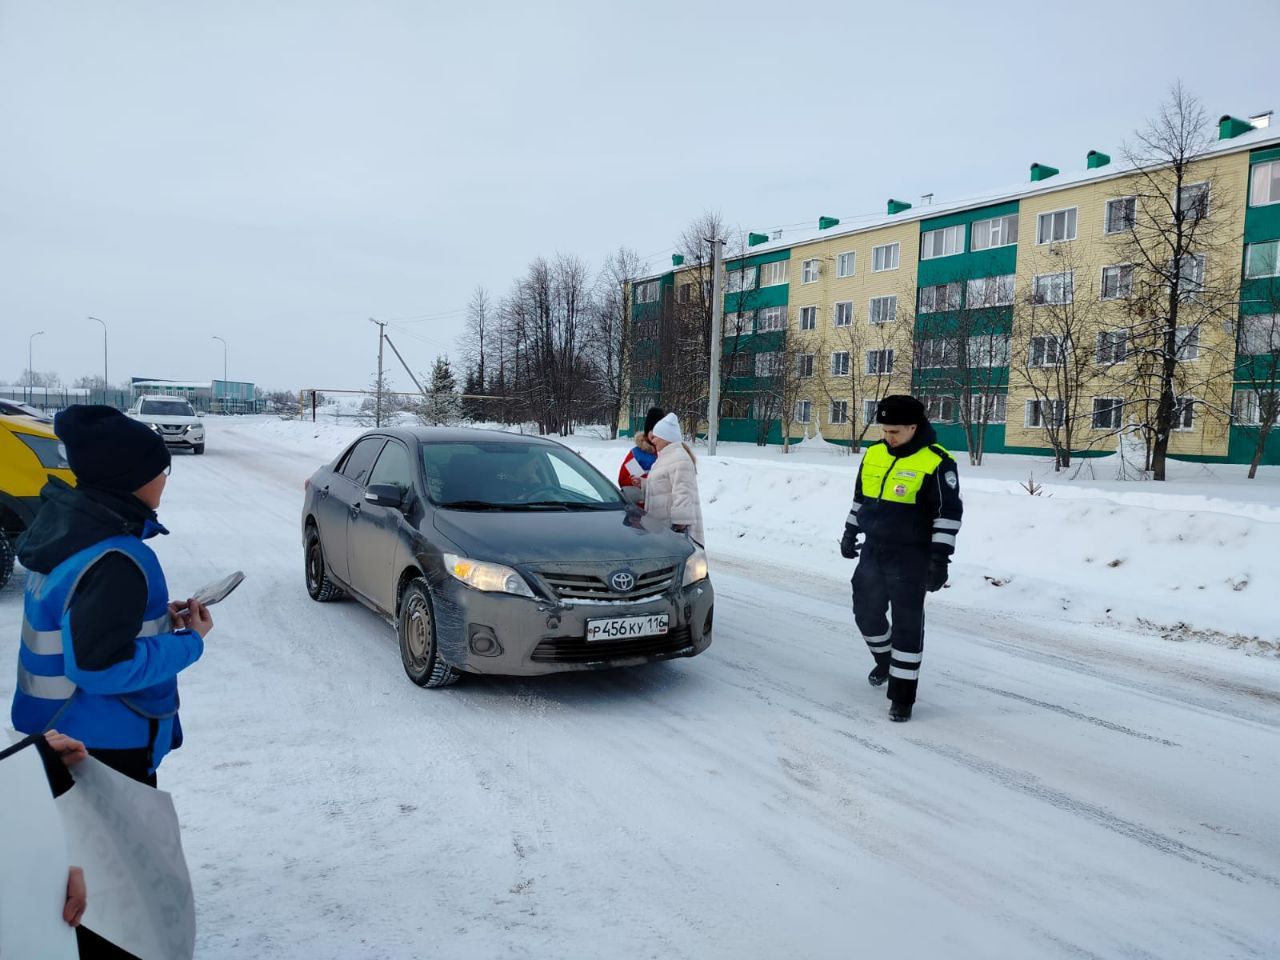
(668, 429)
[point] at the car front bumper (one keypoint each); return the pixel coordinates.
(493, 633)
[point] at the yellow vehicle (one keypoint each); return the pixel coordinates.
(30, 453)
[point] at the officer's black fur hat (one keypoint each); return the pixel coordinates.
(901, 410)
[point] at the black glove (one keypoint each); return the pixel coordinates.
(937, 574)
(849, 542)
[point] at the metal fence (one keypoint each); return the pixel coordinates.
(52, 399)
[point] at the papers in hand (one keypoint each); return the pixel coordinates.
(218, 591)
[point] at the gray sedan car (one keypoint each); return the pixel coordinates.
(502, 554)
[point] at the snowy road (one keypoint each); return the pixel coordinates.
(1062, 791)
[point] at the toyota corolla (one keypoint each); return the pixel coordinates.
(498, 553)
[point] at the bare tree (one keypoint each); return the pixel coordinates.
(1183, 286)
(610, 340)
(477, 343)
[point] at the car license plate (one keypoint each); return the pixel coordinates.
(627, 628)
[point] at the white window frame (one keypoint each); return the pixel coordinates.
(649, 291)
(880, 362)
(869, 410)
(1185, 414)
(1188, 287)
(876, 309)
(883, 253)
(1049, 358)
(840, 363)
(1272, 179)
(1069, 288)
(1111, 347)
(842, 310)
(952, 297)
(1187, 343)
(804, 411)
(808, 319)
(1249, 248)
(1114, 410)
(942, 242)
(1107, 225)
(983, 351)
(1246, 407)
(769, 319)
(937, 353)
(810, 270)
(1070, 215)
(768, 364)
(850, 259)
(1005, 284)
(839, 412)
(731, 323)
(1034, 414)
(1263, 340)
(773, 274)
(804, 366)
(999, 407)
(993, 232)
(739, 281)
(1208, 198)
(936, 409)
(1128, 287)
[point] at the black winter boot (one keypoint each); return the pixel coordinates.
(899, 711)
(879, 673)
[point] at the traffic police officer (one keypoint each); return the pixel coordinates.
(906, 506)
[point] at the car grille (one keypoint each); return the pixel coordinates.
(578, 650)
(169, 428)
(587, 586)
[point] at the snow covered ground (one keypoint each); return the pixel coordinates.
(1074, 784)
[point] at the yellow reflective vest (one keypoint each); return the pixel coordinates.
(908, 497)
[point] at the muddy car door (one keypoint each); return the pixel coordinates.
(338, 498)
(377, 526)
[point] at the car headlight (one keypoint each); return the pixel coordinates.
(489, 577)
(155, 427)
(51, 453)
(695, 568)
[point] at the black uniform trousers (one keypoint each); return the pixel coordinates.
(889, 587)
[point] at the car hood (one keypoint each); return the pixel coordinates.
(167, 421)
(516, 537)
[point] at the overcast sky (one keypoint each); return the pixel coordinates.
(276, 173)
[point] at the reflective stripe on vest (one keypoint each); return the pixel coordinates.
(896, 479)
(49, 642)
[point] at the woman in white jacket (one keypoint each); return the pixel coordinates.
(671, 490)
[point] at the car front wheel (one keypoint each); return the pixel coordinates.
(416, 628)
(199, 448)
(319, 586)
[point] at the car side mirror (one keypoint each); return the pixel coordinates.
(384, 494)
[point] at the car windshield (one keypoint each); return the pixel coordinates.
(502, 475)
(167, 408)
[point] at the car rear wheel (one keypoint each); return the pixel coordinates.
(6, 558)
(319, 586)
(416, 628)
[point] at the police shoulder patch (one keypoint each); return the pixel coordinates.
(952, 480)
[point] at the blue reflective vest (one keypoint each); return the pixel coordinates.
(121, 706)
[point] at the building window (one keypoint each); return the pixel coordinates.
(1262, 259)
(1112, 347)
(987, 407)
(1187, 340)
(844, 313)
(1117, 282)
(1047, 352)
(648, 292)
(884, 257)
(1184, 414)
(1108, 413)
(1264, 184)
(808, 318)
(1054, 288)
(936, 353)
(845, 264)
(1121, 215)
(1260, 334)
(1249, 407)
(869, 411)
(997, 232)
(804, 365)
(735, 408)
(990, 292)
(883, 309)
(1046, 413)
(1056, 226)
(771, 318)
(1193, 201)
(809, 271)
(942, 243)
(686, 292)
(1190, 275)
(989, 350)
(772, 274)
(840, 363)
(941, 296)
(879, 362)
(769, 364)
(739, 280)
(804, 411)
(739, 324)
(742, 364)
(940, 409)
(839, 411)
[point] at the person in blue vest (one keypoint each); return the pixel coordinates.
(102, 646)
(907, 508)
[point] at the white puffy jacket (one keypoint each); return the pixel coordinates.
(671, 490)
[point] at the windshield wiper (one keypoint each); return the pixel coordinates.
(471, 505)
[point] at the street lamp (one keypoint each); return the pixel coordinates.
(31, 370)
(105, 380)
(222, 405)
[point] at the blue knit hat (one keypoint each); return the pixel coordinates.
(107, 449)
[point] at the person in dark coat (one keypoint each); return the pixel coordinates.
(907, 509)
(102, 645)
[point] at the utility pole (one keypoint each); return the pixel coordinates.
(222, 405)
(382, 333)
(106, 383)
(717, 328)
(31, 373)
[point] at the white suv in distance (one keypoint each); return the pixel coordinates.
(173, 419)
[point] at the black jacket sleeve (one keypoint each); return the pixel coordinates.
(852, 520)
(941, 498)
(106, 612)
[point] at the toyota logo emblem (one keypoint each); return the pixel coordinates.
(622, 581)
